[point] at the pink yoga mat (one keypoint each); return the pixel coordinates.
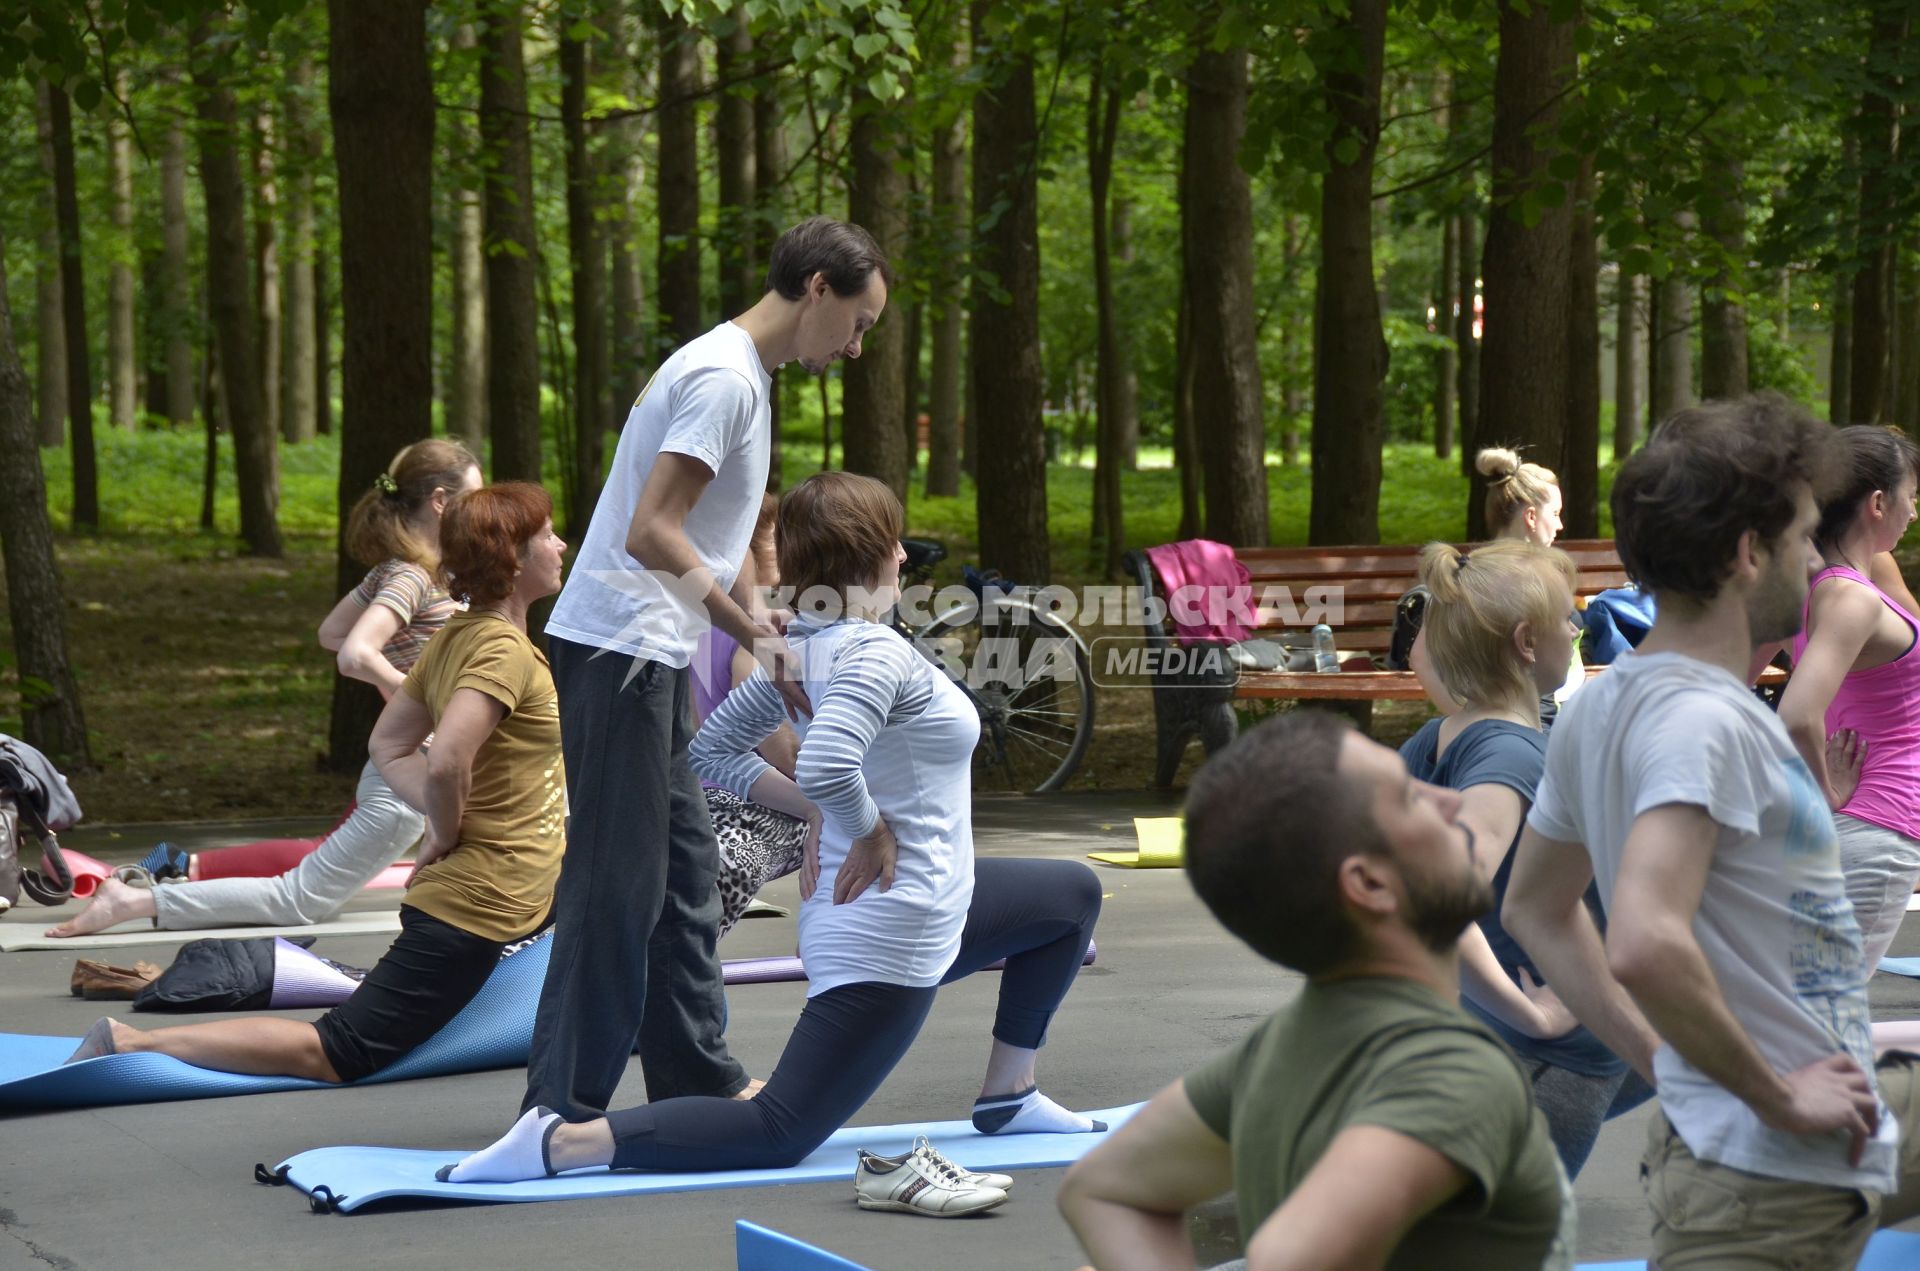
(87, 872)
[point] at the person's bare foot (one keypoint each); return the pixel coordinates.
(754, 1087)
(113, 904)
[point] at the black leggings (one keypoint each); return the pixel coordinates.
(1038, 915)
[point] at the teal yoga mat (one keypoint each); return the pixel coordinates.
(494, 1031)
(346, 1178)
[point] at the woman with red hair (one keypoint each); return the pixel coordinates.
(493, 790)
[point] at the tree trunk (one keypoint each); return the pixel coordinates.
(513, 314)
(50, 716)
(322, 345)
(1186, 449)
(589, 288)
(1004, 350)
(1723, 311)
(677, 273)
(181, 317)
(1109, 512)
(946, 370)
(626, 360)
(1525, 375)
(255, 449)
(1216, 220)
(1446, 361)
(740, 277)
(1126, 405)
(1292, 253)
(298, 416)
(52, 399)
(467, 375)
(73, 314)
(1907, 383)
(1627, 350)
(1872, 285)
(1466, 336)
(266, 270)
(910, 416)
(1840, 365)
(770, 170)
(150, 334)
(381, 98)
(1672, 389)
(1350, 353)
(873, 386)
(1580, 465)
(123, 376)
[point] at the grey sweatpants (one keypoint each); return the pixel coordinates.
(380, 830)
(1881, 866)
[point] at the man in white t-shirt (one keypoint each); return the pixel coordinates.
(637, 910)
(1732, 969)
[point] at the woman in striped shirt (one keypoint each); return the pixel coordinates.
(895, 903)
(377, 631)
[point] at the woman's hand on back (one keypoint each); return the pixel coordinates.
(870, 859)
(1846, 758)
(810, 857)
(1553, 1018)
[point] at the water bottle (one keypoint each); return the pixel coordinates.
(1324, 656)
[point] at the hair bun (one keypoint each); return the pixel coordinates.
(1497, 463)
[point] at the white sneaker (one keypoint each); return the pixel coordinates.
(920, 1183)
(922, 1146)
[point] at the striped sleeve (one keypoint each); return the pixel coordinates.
(722, 749)
(876, 679)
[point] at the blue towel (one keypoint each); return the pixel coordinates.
(495, 1030)
(345, 1178)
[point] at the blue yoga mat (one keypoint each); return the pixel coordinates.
(757, 1248)
(1902, 966)
(494, 1031)
(345, 1178)
(1887, 1251)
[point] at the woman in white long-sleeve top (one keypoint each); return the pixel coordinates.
(894, 905)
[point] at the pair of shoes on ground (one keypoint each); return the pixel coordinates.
(104, 982)
(923, 1181)
(164, 864)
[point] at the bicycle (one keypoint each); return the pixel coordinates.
(1026, 670)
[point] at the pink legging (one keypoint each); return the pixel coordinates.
(266, 858)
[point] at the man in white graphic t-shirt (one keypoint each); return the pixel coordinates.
(1732, 972)
(637, 909)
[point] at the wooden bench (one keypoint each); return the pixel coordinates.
(1368, 582)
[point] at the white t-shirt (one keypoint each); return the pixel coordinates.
(890, 736)
(708, 401)
(1774, 921)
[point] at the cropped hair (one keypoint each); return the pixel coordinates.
(836, 531)
(1710, 474)
(1269, 823)
(484, 536)
(841, 250)
(1512, 486)
(1476, 602)
(1872, 458)
(380, 527)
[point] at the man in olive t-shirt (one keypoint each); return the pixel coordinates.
(1370, 1121)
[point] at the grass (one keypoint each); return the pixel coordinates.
(206, 695)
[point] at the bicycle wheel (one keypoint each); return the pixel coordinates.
(1029, 676)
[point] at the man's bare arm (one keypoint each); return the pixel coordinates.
(1127, 1199)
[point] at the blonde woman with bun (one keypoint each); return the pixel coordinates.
(1523, 503)
(1499, 628)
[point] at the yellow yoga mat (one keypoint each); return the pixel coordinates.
(1162, 845)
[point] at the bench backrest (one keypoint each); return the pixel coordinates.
(1370, 580)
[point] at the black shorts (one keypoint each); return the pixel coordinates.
(429, 975)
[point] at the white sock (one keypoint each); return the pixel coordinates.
(520, 1154)
(97, 1042)
(1029, 1112)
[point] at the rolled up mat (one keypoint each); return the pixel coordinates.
(1909, 967)
(1886, 1251)
(346, 1178)
(87, 872)
(757, 1248)
(1163, 841)
(495, 1030)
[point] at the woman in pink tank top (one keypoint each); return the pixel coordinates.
(1856, 683)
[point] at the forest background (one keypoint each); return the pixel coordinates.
(1263, 271)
